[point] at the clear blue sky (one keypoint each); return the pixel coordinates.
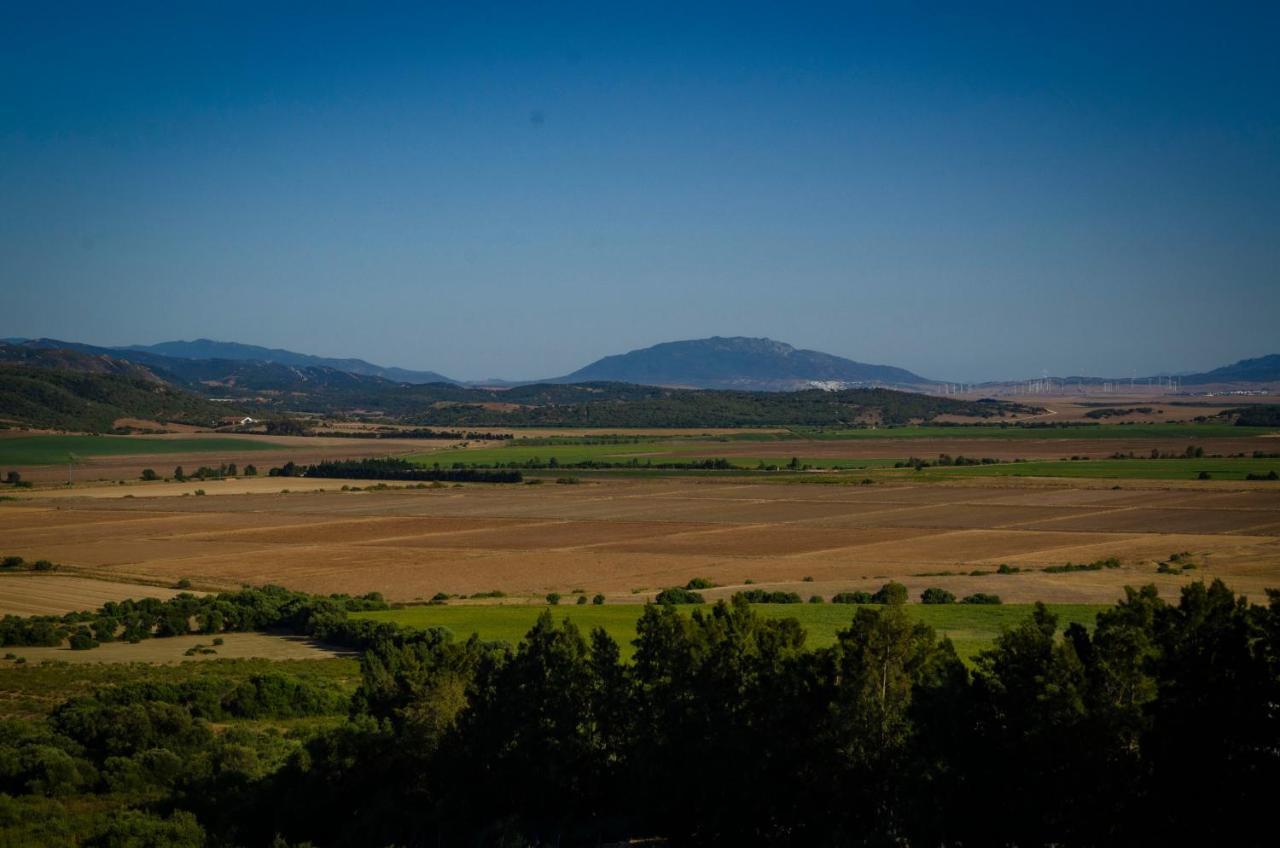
(969, 191)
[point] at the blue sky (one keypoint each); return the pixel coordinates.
(970, 191)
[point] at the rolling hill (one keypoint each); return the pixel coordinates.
(42, 396)
(205, 349)
(1264, 369)
(739, 363)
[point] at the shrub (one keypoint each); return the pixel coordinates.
(679, 595)
(183, 583)
(149, 474)
(981, 598)
(890, 593)
(598, 600)
(553, 598)
(762, 596)
(82, 641)
(699, 583)
(852, 598)
(816, 599)
(934, 595)
(582, 599)
(12, 562)
(43, 565)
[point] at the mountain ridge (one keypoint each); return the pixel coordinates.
(236, 351)
(739, 362)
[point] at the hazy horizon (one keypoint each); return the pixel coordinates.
(516, 192)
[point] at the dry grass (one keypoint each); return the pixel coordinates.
(626, 534)
(55, 594)
(173, 650)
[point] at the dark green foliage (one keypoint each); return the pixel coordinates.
(1158, 727)
(852, 598)
(1261, 415)
(764, 596)
(65, 400)
(890, 593)
(393, 469)
(553, 598)
(149, 474)
(598, 600)
(1096, 565)
(679, 595)
(934, 595)
(981, 598)
(699, 583)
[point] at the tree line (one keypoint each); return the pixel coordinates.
(393, 469)
(1159, 725)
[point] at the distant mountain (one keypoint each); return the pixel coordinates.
(1264, 369)
(739, 363)
(209, 349)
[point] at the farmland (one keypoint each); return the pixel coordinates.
(629, 537)
(278, 700)
(50, 450)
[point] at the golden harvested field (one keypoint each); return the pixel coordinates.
(628, 537)
(54, 594)
(173, 650)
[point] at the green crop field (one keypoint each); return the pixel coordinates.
(971, 627)
(1120, 469)
(1082, 431)
(51, 450)
(649, 451)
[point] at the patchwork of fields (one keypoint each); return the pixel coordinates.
(628, 538)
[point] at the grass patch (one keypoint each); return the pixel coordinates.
(657, 452)
(51, 450)
(971, 627)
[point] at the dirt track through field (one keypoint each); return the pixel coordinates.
(627, 538)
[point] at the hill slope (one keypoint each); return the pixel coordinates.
(91, 402)
(209, 349)
(1264, 369)
(738, 363)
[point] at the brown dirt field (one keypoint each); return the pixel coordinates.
(171, 650)
(55, 594)
(621, 535)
